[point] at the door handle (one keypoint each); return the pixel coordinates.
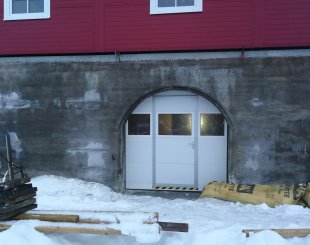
(192, 144)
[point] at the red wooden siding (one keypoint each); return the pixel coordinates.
(70, 30)
(93, 26)
(287, 23)
(223, 24)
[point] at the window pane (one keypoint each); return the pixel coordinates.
(139, 124)
(36, 6)
(185, 2)
(19, 6)
(175, 124)
(166, 3)
(211, 124)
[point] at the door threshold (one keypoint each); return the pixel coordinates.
(173, 188)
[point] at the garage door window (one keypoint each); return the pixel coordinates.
(174, 124)
(212, 124)
(139, 124)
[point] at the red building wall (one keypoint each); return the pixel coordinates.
(98, 26)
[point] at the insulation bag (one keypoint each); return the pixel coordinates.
(272, 195)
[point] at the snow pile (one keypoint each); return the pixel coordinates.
(24, 235)
(211, 221)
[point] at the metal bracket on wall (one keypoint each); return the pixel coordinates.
(242, 54)
(117, 57)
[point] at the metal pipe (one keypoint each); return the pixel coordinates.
(9, 156)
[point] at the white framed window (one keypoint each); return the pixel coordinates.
(175, 6)
(26, 9)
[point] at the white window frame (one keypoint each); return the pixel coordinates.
(8, 14)
(154, 9)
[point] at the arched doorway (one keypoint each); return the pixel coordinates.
(175, 140)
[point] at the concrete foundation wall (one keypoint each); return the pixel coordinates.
(66, 118)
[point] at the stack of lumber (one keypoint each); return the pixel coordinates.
(94, 222)
(16, 196)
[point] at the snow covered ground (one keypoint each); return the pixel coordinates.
(211, 221)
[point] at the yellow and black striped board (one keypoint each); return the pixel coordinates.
(173, 188)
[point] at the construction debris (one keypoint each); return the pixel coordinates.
(174, 227)
(107, 223)
(64, 229)
(16, 193)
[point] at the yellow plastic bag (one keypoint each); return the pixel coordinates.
(307, 196)
(272, 195)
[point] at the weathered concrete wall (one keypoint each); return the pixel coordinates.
(66, 117)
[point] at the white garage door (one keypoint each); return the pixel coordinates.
(175, 139)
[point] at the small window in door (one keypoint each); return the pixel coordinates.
(174, 124)
(211, 124)
(139, 124)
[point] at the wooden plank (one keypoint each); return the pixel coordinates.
(155, 214)
(18, 191)
(175, 227)
(72, 218)
(48, 217)
(282, 232)
(6, 216)
(79, 230)
(151, 217)
(11, 208)
(94, 221)
(20, 199)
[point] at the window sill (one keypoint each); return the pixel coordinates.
(27, 16)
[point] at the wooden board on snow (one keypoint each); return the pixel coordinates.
(282, 232)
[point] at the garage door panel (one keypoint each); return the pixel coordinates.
(174, 174)
(167, 104)
(175, 153)
(139, 162)
(214, 154)
(206, 107)
(170, 149)
(139, 177)
(139, 147)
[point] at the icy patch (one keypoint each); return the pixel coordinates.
(13, 101)
(94, 150)
(256, 102)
